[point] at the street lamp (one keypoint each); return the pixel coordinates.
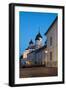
(46, 51)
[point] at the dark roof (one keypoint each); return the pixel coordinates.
(31, 42)
(32, 47)
(38, 36)
(21, 57)
(26, 48)
(39, 49)
(51, 25)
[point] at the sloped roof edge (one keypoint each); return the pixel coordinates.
(51, 25)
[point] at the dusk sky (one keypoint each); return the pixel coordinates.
(30, 23)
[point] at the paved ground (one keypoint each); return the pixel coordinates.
(38, 72)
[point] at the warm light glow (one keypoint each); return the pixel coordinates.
(28, 62)
(46, 51)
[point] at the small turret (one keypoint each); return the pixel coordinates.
(31, 43)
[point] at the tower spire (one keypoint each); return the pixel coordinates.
(39, 29)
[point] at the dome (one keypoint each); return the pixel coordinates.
(31, 42)
(38, 36)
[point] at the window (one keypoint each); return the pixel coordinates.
(50, 41)
(50, 55)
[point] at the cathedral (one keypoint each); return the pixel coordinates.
(43, 54)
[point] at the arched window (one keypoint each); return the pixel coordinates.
(50, 41)
(50, 55)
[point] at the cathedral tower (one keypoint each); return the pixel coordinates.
(38, 40)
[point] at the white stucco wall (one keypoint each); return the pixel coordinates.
(53, 48)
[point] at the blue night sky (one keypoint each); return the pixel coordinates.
(30, 23)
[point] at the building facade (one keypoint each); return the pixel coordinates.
(52, 44)
(37, 56)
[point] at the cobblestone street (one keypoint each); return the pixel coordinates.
(38, 72)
